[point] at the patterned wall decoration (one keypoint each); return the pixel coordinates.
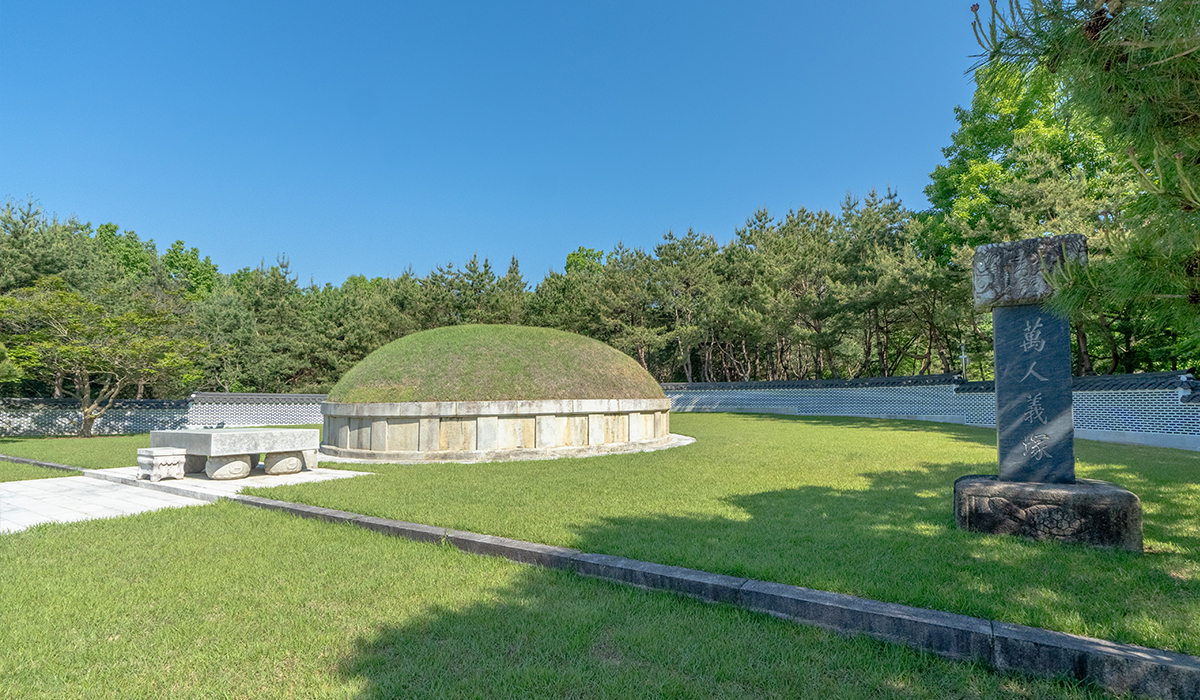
(1105, 408)
(215, 410)
(29, 417)
(33, 417)
(1162, 404)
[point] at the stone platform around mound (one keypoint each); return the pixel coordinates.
(494, 430)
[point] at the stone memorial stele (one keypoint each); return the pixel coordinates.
(1036, 493)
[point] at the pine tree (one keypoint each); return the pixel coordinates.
(1134, 67)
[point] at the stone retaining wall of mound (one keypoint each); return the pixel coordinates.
(457, 430)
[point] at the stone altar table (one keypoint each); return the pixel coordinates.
(230, 453)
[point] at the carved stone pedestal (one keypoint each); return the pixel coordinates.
(284, 462)
(155, 463)
(227, 467)
(1086, 512)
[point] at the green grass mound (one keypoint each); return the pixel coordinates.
(494, 363)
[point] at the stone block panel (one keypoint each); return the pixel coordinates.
(608, 429)
(428, 440)
(379, 434)
(577, 431)
(475, 430)
(360, 433)
(487, 433)
(515, 433)
(403, 434)
(456, 434)
(550, 431)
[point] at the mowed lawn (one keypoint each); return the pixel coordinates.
(851, 505)
(225, 601)
(24, 472)
(89, 453)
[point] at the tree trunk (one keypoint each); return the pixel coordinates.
(927, 358)
(1085, 360)
(885, 337)
(943, 353)
(58, 385)
(686, 352)
(141, 389)
(866, 365)
(833, 373)
(83, 387)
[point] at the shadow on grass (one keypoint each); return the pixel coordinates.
(893, 540)
(15, 440)
(552, 635)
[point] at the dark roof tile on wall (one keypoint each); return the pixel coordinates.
(1141, 381)
(221, 397)
(861, 383)
(33, 404)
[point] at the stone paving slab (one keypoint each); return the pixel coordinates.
(108, 493)
(71, 499)
(199, 486)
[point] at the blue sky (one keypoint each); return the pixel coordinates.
(365, 138)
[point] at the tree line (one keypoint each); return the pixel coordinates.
(873, 289)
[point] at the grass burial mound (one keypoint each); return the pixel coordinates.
(494, 363)
(480, 392)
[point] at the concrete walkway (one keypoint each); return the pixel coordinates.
(73, 498)
(107, 493)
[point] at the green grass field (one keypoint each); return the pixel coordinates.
(24, 472)
(89, 453)
(841, 504)
(224, 601)
(850, 505)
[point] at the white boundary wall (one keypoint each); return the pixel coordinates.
(36, 417)
(1144, 417)
(1164, 417)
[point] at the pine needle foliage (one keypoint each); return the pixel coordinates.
(1134, 67)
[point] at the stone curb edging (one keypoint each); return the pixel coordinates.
(1120, 668)
(197, 494)
(36, 463)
